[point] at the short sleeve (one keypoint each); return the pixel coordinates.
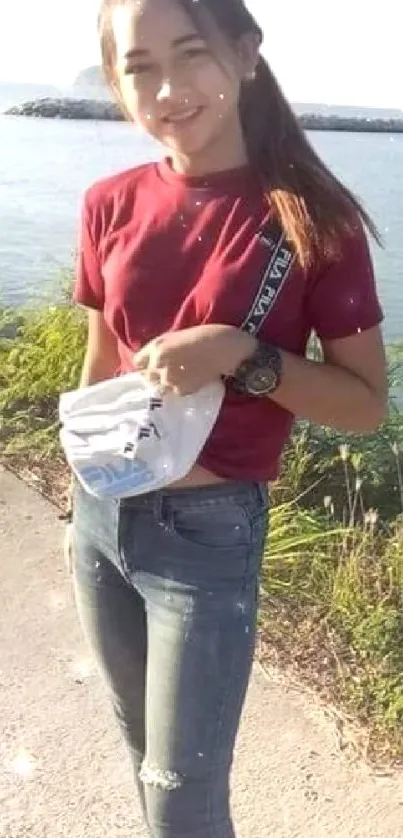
(89, 285)
(343, 298)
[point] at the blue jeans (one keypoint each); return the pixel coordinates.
(166, 588)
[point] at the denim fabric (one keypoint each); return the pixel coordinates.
(166, 588)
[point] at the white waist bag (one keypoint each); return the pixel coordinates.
(122, 438)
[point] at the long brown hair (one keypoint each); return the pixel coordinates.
(314, 208)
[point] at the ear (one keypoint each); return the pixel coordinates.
(248, 54)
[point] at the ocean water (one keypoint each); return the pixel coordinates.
(45, 165)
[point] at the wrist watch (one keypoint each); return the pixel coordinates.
(260, 374)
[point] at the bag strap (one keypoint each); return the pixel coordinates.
(282, 257)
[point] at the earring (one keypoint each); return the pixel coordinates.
(250, 76)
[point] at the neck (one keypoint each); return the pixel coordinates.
(226, 151)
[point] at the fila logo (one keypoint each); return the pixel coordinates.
(144, 433)
(147, 430)
(283, 260)
(113, 477)
(284, 257)
(267, 241)
(128, 449)
(264, 302)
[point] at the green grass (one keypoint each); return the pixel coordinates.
(43, 359)
(333, 570)
(334, 608)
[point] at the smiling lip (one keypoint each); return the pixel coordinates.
(182, 116)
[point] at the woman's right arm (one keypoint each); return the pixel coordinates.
(101, 357)
(101, 362)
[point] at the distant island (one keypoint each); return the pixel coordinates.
(103, 109)
(90, 77)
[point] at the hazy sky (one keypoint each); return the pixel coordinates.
(340, 52)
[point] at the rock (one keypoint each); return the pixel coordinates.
(316, 122)
(10, 330)
(103, 109)
(68, 109)
(90, 77)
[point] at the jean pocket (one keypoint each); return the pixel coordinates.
(225, 526)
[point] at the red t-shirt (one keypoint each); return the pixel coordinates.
(161, 251)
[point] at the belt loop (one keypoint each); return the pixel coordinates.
(264, 495)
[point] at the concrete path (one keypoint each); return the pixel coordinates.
(63, 768)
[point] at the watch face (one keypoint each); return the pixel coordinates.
(262, 381)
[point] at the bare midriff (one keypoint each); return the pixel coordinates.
(198, 476)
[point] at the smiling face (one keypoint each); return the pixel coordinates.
(180, 88)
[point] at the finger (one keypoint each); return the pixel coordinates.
(170, 386)
(167, 386)
(154, 377)
(141, 359)
(168, 389)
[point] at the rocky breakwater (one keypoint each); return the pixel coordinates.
(103, 109)
(68, 109)
(316, 122)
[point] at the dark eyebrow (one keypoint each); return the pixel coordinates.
(178, 42)
(187, 39)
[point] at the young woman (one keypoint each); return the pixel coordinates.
(172, 256)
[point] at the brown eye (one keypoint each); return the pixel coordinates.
(195, 52)
(138, 70)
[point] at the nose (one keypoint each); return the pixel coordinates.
(165, 91)
(173, 88)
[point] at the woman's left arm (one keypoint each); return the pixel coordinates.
(347, 392)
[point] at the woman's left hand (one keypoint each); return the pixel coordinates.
(185, 361)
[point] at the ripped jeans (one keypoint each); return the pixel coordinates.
(166, 588)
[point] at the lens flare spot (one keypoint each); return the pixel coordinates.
(23, 764)
(57, 601)
(81, 669)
